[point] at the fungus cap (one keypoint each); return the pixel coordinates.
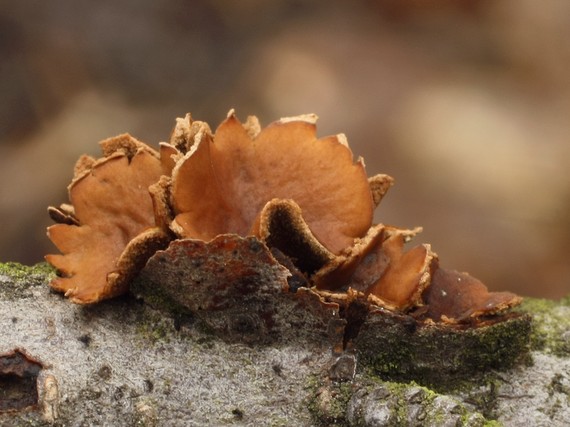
(111, 206)
(226, 179)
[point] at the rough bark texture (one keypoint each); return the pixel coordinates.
(124, 363)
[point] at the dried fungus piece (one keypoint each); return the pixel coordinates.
(186, 133)
(215, 275)
(114, 229)
(224, 181)
(237, 288)
(379, 185)
(160, 195)
(457, 297)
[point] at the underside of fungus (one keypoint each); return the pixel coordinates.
(286, 211)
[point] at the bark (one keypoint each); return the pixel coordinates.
(123, 362)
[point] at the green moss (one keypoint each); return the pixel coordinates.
(551, 329)
(435, 413)
(440, 356)
(407, 403)
(18, 271)
(16, 280)
(402, 409)
(328, 401)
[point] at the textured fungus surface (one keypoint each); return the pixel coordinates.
(215, 275)
(236, 288)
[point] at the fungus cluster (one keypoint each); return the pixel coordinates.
(297, 205)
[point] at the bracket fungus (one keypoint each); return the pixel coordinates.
(289, 213)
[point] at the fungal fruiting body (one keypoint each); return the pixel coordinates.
(286, 211)
(109, 226)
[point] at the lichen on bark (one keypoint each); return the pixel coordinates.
(551, 331)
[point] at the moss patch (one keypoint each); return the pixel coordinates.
(328, 401)
(16, 280)
(439, 356)
(551, 329)
(370, 401)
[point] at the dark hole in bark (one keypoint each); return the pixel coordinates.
(355, 315)
(18, 381)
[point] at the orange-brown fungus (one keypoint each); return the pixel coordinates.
(226, 179)
(339, 273)
(281, 225)
(301, 200)
(456, 297)
(111, 206)
(405, 275)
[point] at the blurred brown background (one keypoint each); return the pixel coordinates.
(465, 103)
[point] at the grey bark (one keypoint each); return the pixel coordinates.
(124, 363)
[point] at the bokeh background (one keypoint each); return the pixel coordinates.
(465, 103)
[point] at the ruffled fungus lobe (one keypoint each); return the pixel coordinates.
(226, 180)
(110, 232)
(406, 275)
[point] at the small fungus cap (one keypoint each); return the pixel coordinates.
(455, 297)
(225, 180)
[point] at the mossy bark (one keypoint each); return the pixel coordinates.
(124, 363)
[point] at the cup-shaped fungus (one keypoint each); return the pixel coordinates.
(303, 198)
(109, 231)
(226, 181)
